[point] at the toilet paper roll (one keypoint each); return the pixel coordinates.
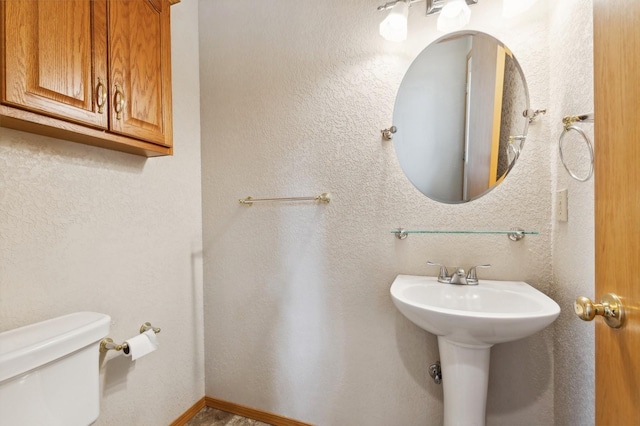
(141, 345)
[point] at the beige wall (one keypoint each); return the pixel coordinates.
(571, 51)
(297, 309)
(84, 228)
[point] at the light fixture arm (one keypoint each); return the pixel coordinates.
(433, 6)
(455, 15)
(390, 4)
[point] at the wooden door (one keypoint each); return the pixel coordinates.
(140, 69)
(617, 206)
(55, 58)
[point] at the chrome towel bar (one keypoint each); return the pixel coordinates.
(325, 198)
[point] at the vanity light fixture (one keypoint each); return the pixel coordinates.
(394, 26)
(454, 14)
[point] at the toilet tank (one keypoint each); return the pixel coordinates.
(49, 371)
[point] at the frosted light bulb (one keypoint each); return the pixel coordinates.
(454, 15)
(394, 26)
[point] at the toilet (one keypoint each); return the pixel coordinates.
(49, 371)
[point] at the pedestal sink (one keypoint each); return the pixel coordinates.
(468, 320)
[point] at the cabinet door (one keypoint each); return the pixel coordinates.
(140, 69)
(55, 56)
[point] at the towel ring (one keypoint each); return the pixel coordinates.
(587, 142)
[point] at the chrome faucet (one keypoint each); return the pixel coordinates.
(459, 276)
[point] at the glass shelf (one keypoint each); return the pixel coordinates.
(514, 234)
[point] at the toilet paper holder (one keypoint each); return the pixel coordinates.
(107, 343)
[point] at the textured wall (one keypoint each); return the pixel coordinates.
(573, 243)
(298, 316)
(84, 228)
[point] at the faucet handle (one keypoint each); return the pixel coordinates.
(472, 277)
(443, 275)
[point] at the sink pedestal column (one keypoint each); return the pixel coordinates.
(465, 379)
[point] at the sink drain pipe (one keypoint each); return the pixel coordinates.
(435, 372)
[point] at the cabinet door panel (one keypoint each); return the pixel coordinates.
(55, 54)
(140, 69)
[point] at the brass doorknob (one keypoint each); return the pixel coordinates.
(610, 308)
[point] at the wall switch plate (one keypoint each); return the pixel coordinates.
(562, 207)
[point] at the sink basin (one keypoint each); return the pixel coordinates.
(468, 320)
(484, 314)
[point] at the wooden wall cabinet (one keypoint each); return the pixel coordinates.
(91, 71)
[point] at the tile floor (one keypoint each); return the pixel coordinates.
(211, 417)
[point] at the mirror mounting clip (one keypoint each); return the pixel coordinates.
(387, 134)
(533, 114)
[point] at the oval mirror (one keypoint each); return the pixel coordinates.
(460, 117)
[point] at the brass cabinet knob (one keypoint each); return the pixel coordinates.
(610, 308)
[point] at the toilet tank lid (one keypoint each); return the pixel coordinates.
(25, 348)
